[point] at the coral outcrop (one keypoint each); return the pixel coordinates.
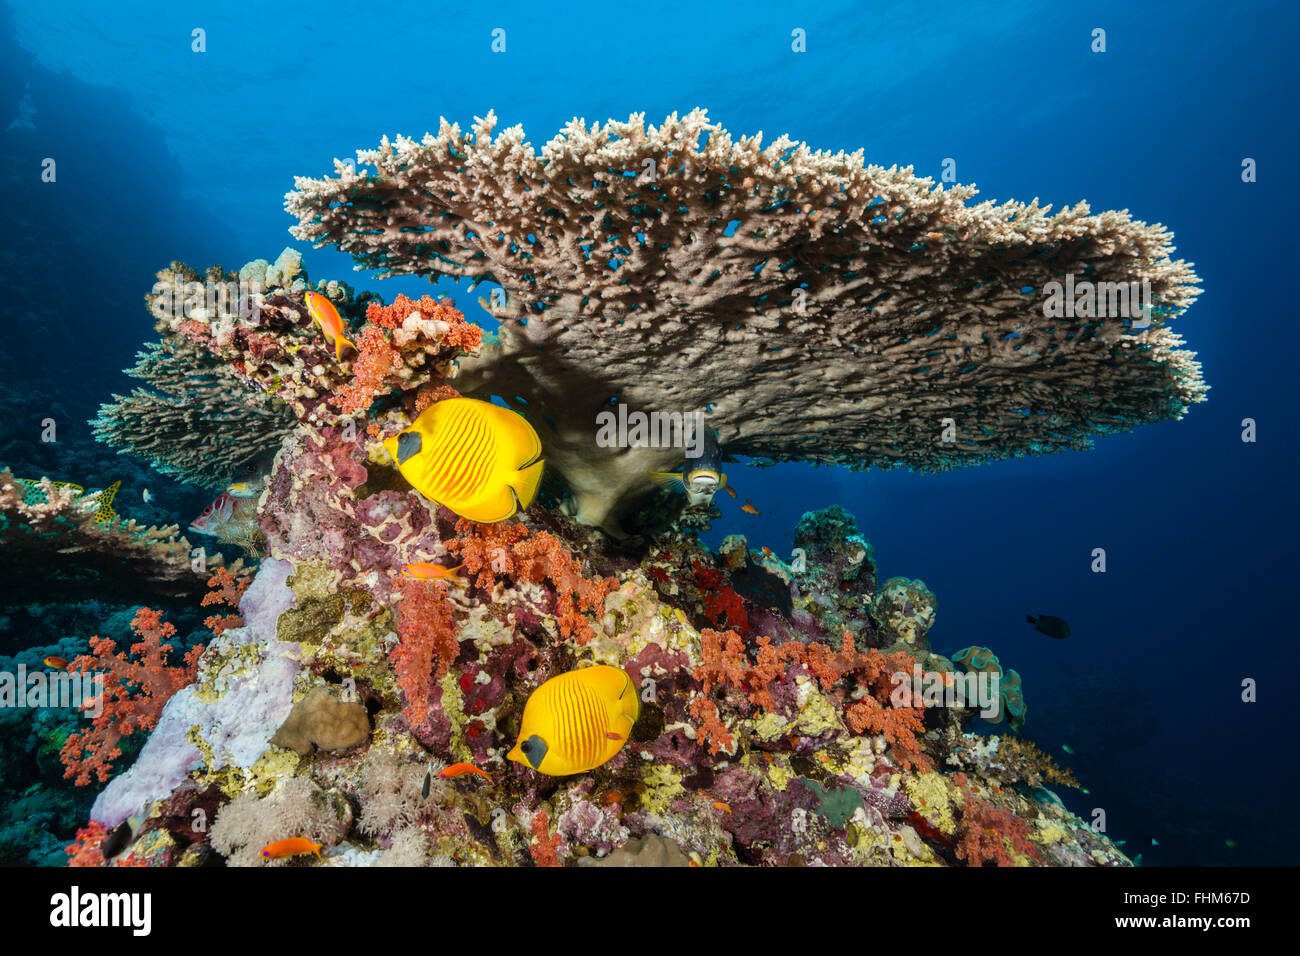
(877, 319)
(754, 749)
(55, 549)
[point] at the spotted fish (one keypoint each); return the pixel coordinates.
(101, 501)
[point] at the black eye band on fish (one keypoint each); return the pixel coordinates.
(408, 445)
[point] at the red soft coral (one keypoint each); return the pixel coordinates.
(84, 851)
(226, 589)
(428, 645)
(545, 846)
(722, 605)
(986, 832)
(488, 550)
(135, 692)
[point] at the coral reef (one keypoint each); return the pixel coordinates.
(864, 309)
(135, 689)
(196, 421)
(791, 712)
(56, 550)
(751, 749)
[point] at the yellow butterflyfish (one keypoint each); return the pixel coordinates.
(577, 721)
(480, 460)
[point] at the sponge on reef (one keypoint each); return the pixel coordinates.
(322, 721)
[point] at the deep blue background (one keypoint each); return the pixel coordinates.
(168, 154)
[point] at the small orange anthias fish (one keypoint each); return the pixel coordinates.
(424, 571)
(718, 804)
(58, 663)
(294, 846)
(767, 552)
(457, 769)
(749, 509)
(731, 491)
(327, 317)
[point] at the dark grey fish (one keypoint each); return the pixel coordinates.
(117, 841)
(1049, 625)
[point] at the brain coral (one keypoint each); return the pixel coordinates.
(817, 307)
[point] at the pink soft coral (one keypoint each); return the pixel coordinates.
(428, 645)
(135, 692)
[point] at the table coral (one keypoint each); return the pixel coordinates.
(677, 266)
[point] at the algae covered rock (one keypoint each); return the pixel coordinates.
(650, 850)
(904, 611)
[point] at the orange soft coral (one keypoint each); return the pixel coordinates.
(226, 589)
(135, 691)
(433, 393)
(84, 851)
(724, 662)
(987, 831)
(460, 334)
(875, 712)
(376, 358)
(711, 732)
(488, 550)
(428, 645)
(386, 344)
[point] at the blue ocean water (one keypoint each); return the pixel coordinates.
(164, 153)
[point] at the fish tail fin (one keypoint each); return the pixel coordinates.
(525, 482)
(341, 340)
(669, 480)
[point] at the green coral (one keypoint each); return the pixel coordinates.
(837, 805)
